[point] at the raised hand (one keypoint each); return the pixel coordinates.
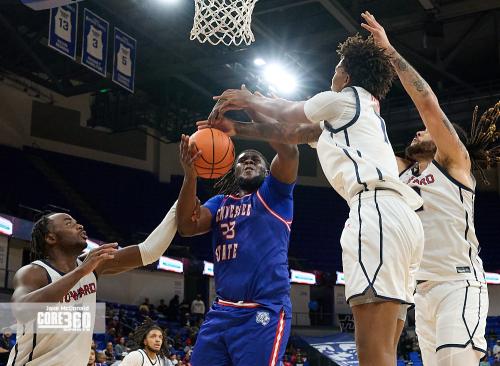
(224, 124)
(377, 31)
(230, 100)
(187, 156)
(94, 257)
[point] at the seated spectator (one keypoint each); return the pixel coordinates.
(6, 344)
(162, 308)
(496, 348)
(187, 359)
(110, 354)
(100, 359)
(484, 361)
(120, 348)
(91, 361)
(173, 359)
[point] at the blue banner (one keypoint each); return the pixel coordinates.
(95, 42)
(63, 29)
(124, 55)
(339, 348)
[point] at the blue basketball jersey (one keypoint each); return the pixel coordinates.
(250, 237)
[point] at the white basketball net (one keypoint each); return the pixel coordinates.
(223, 21)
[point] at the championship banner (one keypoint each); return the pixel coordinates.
(47, 4)
(339, 348)
(63, 29)
(95, 42)
(124, 55)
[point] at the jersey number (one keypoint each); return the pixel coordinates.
(94, 42)
(228, 229)
(63, 24)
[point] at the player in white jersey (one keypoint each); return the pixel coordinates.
(58, 275)
(152, 346)
(382, 241)
(451, 297)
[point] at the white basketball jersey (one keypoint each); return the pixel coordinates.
(124, 63)
(63, 24)
(451, 246)
(140, 358)
(94, 42)
(354, 150)
(61, 348)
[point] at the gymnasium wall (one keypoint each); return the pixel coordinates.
(341, 306)
(132, 287)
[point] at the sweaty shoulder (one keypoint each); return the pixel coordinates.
(329, 105)
(31, 276)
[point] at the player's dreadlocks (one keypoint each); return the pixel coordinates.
(482, 145)
(142, 331)
(228, 184)
(40, 230)
(367, 65)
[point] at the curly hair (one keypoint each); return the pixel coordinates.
(482, 142)
(142, 331)
(367, 65)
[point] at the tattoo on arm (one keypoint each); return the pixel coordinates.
(279, 132)
(417, 81)
(451, 129)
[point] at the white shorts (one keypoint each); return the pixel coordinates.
(382, 245)
(451, 314)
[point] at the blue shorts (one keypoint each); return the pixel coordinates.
(235, 336)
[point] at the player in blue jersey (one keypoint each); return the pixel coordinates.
(249, 322)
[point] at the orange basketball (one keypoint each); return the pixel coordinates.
(217, 156)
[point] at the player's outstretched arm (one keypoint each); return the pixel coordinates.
(31, 284)
(187, 202)
(278, 109)
(449, 147)
(294, 134)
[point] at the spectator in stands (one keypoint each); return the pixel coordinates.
(173, 307)
(110, 354)
(286, 361)
(496, 348)
(146, 305)
(184, 312)
(100, 359)
(497, 361)
(91, 361)
(6, 345)
(6, 340)
(313, 311)
(120, 348)
(173, 359)
(93, 346)
(162, 308)
(187, 359)
(198, 308)
(484, 361)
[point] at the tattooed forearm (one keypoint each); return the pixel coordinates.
(401, 63)
(453, 132)
(280, 132)
(409, 76)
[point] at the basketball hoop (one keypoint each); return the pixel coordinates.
(223, 21)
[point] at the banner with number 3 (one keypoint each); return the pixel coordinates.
(95, 42)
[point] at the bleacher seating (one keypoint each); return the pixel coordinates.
(135, 201)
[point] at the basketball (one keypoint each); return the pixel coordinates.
(217, 153)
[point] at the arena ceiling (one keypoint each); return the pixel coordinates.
(454, 43)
